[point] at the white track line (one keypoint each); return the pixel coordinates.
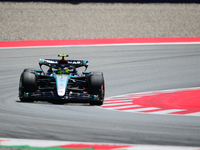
(138, 95)
(119, 107)
(113, 104)
(167, 111)
(141, 109)
(194, 114)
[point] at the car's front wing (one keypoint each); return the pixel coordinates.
(45, 96)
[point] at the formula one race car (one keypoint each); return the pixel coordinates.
(62, 82)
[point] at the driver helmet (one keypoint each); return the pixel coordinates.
(64, 71)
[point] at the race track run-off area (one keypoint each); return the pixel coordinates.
(174, 102)
(169, 102)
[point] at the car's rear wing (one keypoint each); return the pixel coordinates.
(74, 63)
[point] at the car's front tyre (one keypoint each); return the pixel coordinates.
(27, 84)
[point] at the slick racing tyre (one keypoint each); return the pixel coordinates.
(97, 87)
(28, 83)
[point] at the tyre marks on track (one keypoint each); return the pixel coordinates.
(171, 102)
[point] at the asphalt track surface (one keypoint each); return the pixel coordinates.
(127, 69)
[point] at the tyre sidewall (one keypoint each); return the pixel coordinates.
(28, 83)
(97, 86)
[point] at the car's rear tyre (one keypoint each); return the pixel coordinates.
(28, 83)
(97, 87)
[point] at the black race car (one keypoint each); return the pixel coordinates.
(62, 83)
